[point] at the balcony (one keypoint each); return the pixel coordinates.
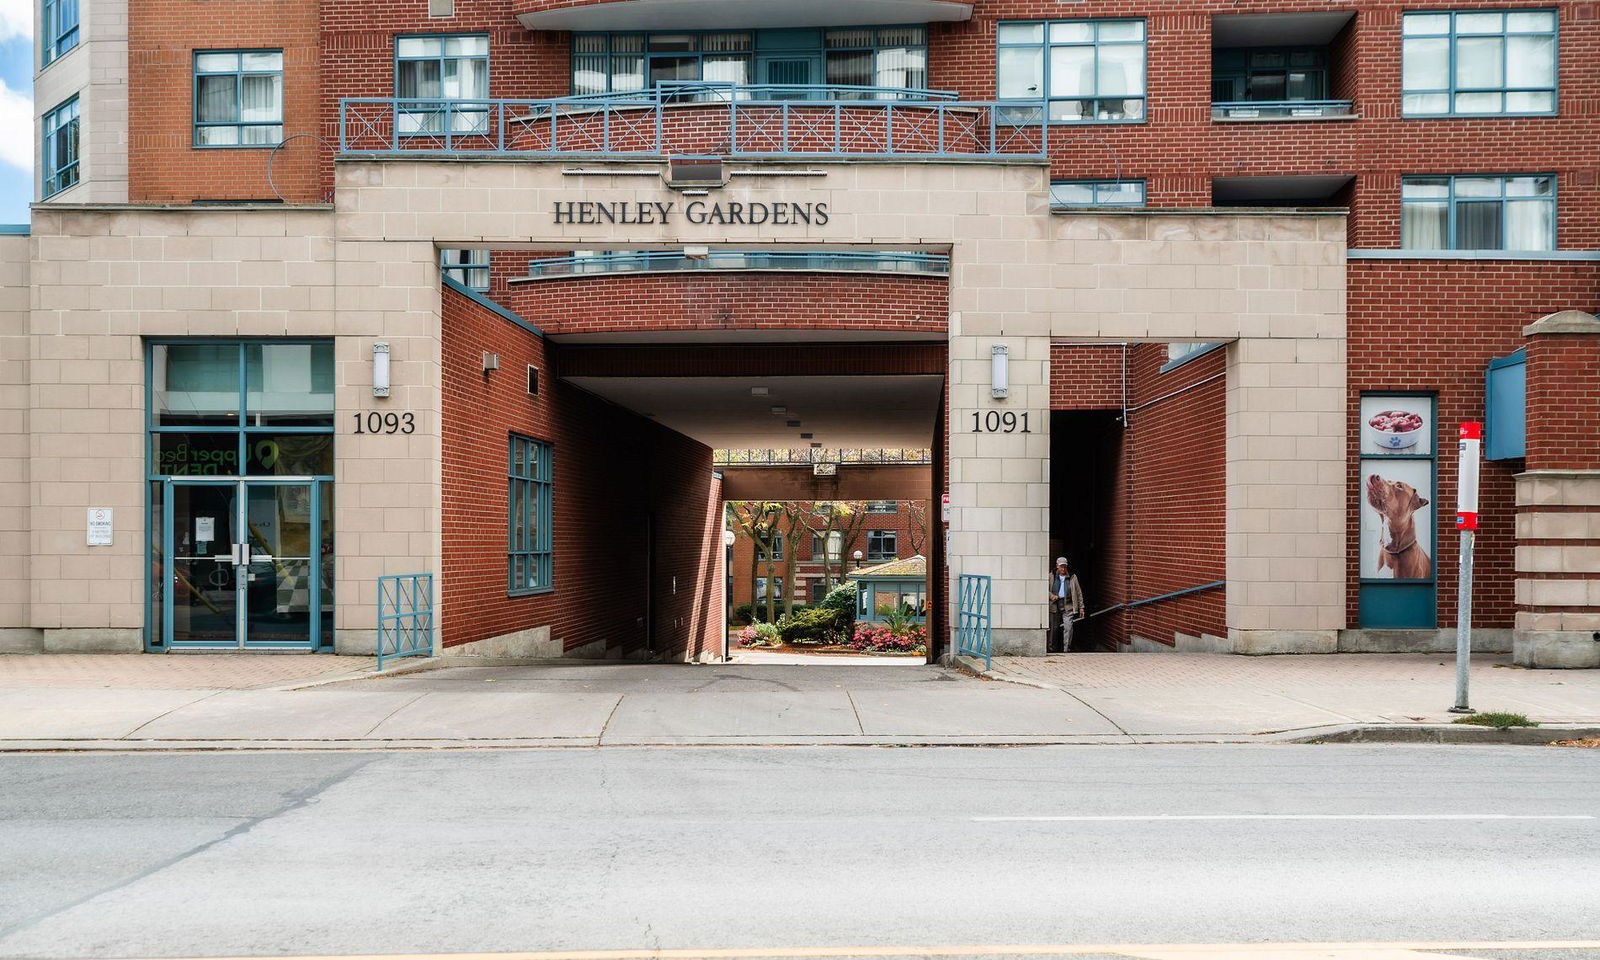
(1280, 67)
(1283, 110)
(698, 118)
(731, 14)
(646, 261)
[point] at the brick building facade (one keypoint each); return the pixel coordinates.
(1193, 293)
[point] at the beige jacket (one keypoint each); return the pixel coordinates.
(1074, 594)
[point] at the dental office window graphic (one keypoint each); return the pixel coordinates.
(1397, 487)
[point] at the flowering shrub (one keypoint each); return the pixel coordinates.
(759, 635)
(881, 639)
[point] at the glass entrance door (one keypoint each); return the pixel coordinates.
(202, 592)
(250, 564)
(282, 586)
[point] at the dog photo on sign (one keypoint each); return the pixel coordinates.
(1396, 520)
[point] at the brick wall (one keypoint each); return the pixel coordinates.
(602, 516)
(1477, 311)
(1564, 401)
(603, 303)
(1177, 151)
(1180, 149)
(163, 163)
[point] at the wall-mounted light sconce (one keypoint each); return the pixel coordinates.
(999, 371)
(380, 369)
(491, 362)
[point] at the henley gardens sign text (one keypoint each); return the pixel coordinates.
(753, 213)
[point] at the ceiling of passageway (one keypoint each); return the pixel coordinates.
(722, 412)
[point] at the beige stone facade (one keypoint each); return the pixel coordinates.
(100, 279)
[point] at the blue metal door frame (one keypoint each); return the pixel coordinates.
(242, 487)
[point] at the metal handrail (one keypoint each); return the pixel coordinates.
(1282, 108)
(1129, 605)
(638, 124)
(405, 616)
(974, 637)
(785, 457)
(618, 261)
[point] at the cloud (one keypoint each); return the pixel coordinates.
(16, 20)
(16, 114)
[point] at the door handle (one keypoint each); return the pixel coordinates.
(235, 551)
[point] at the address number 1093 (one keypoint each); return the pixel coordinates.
(375, 422)
(995, 421)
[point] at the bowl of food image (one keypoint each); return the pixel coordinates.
(1395, 429)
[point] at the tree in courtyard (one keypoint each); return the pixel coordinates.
(758, 520)
(917, 526)
(843, 518)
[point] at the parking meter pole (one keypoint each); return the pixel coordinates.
(1464, 624)
(1471, 442)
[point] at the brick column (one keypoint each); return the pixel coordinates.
(1558, 497)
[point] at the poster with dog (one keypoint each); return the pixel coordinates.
(1396, 519)
(1396, 426)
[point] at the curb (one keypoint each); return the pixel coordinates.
(1449, 733)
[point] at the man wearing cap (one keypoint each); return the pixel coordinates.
(1066, 605)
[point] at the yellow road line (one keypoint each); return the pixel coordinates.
(1199, 951)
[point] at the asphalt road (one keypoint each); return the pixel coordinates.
(300, 853)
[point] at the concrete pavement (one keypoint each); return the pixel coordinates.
(299, 853)
(1177, 693)
(1081, 698)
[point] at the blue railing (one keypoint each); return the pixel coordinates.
(973, 636)
(698, 120)
(648, 261)
(1281, 109)
(784, 457)
(405, 616)
(721, 91)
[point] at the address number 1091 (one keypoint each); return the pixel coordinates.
(996, 422)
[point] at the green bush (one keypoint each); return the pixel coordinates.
(842, 600)
(744, 614)
(817, 625)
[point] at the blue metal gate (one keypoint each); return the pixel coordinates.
(405, 616)
(972, 617)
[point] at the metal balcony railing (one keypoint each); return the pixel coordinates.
(1283, 110)
(700, 119)
(643, 261)
(805, 458)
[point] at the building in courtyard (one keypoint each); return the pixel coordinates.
(1192, 292)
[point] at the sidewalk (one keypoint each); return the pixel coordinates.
(1176, 693)
(231, 702)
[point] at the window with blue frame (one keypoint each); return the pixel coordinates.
(1097, 193)
(1478, 62)
(1269, 74)
(59, 142)
(238, 98)
(1089, 71)
(770, 547)
(227, 408)
(1515, 212)
(441, 82)
(880, 60)
(470, 268)
(882, 545)
(58, 25)
(530, 557)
